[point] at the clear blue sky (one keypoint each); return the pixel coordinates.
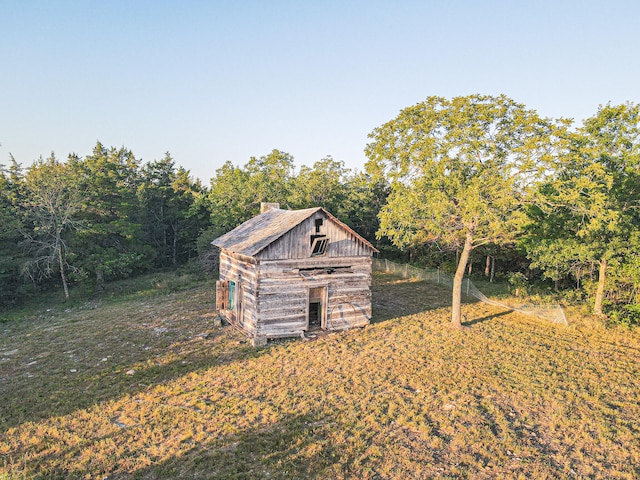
(211, 81)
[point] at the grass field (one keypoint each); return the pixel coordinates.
(143, 386)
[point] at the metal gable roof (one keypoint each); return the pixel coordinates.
(255, 234)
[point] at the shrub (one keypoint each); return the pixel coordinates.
(518, 283)
(627, 315)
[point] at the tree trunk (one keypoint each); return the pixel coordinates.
(99, 279)
(487, 266)
(493, 269)
(175, 244)
(597, 308)
(63, 276)
(470, 262)
(456, 298)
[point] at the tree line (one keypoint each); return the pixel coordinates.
(109, 216)
(448, 181)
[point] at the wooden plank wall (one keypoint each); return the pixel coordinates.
(297, 242)
(244, 274)
(283, 294)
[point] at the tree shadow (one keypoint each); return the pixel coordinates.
(296, 446)
(474, 321)
(57, 392)
(394, 297)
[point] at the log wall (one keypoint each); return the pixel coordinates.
(283, 299)
(272, 296)
(244, 273)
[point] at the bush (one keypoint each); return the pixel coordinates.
(518, 283)
(627, 315)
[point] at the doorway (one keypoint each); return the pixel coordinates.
(316, 310)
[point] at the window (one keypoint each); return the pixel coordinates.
(318, 224)
(232, 294)
(319, 245)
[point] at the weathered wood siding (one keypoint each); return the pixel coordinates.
(283, 299)
(244, 274)
(296, 244)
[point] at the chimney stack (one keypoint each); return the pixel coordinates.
(266, 206)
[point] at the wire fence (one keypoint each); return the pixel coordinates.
(550, 313)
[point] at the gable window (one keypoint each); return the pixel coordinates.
(319, 245)
(318, 224)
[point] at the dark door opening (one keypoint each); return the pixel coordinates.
(315, 317)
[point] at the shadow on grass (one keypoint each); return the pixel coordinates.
(57, 393)
(296, 446)
(393, 297)
(485, 319)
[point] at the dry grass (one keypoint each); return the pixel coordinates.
(147, 388)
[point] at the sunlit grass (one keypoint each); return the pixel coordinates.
(148, 388)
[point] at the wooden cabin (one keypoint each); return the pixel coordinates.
(287, 272)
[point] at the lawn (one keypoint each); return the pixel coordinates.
(144, 386)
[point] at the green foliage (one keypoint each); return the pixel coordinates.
(628, 316)
(459, 171)
(518, 283)
(230, 199)
(586, 212)
(111, 213)
(53, 203)
(11, 223)
(173, 214)
(270, 178)
(323, 185)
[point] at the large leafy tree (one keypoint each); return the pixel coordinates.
(363, 200)
(230, 200)
(270, 178)
(323, 185)
(459, 170)
(587, 214)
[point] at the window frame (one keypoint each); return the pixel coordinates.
(232, 294)
(319, 244)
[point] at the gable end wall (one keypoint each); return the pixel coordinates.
(296, 243)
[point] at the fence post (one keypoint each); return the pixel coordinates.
(468, 281)
(438, 275)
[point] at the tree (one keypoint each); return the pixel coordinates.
(53, 202)
(229, 200)
(323, 185)
(156, 195)
(363, 200)
(459, 171)
(11, 224)
(270, 178)
(192, 215)
(588, 211)
(112, 244)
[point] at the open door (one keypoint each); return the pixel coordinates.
(317, 309)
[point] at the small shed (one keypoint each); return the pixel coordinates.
(286, 272)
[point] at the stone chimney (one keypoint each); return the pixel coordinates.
(265, 206)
